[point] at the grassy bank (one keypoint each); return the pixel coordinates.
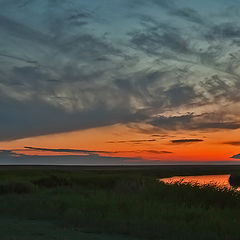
(130, 203)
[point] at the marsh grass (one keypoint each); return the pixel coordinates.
(17, 187)
(52, 181)
(129, 204)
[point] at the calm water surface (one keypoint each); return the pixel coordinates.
(217, 180)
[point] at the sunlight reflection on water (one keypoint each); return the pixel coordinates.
(217, 180)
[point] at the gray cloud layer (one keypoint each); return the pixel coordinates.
(87, 152)
(9, 157)
(73, 157)
(64, 150)
(70, 65)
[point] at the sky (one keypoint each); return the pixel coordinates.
(119, 81)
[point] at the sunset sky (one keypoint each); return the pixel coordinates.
(119, 81)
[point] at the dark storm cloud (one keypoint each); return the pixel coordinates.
(146, 86)
(40, 116)
(33, 118)
(191, 140)
(193, 122)
(46, 109)
(172, 122)
(79, 66)
(180, 94)
(218, 125)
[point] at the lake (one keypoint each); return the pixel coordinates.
(217, 180)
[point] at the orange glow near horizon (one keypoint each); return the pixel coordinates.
(124, 141)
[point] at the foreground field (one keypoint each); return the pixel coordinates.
(31, 229)
(112, 204)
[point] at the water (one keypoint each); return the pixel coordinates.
(217, 180)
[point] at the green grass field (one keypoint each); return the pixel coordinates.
(115, 204)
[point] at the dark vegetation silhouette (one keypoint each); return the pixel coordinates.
(234, 179)
(132, 203)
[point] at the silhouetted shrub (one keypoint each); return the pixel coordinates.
(18, 187)
(234, 179)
